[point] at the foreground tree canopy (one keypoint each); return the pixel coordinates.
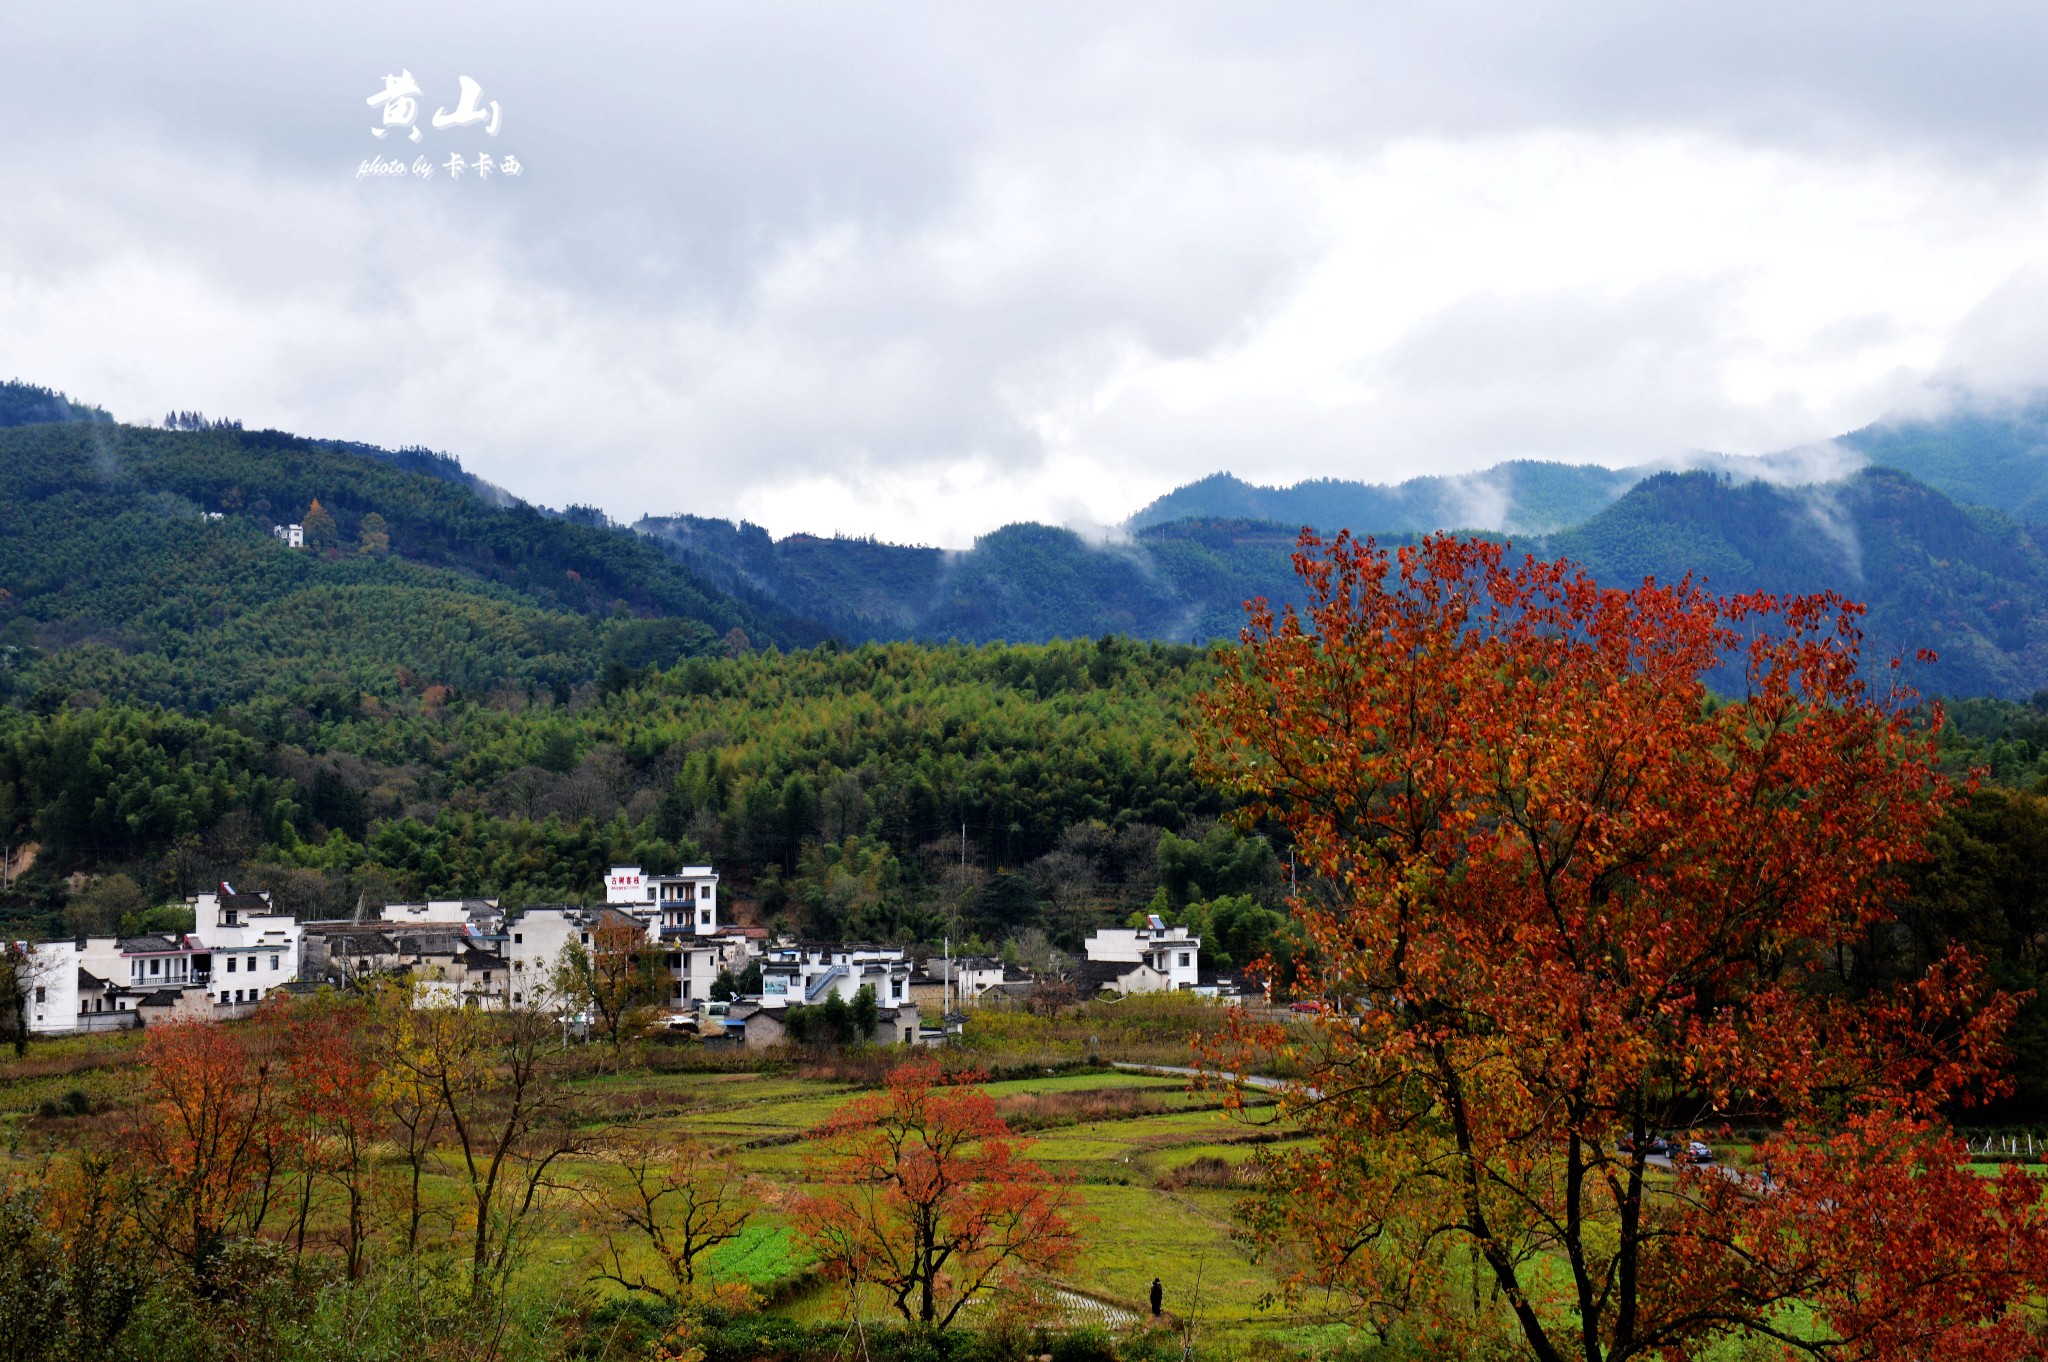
(1565, 900)
(926, 1198)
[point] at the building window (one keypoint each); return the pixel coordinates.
(487, 976)
(273, 962)
(156, 966)
(39, 993)
(703, 891)
(1183, 959)
(223, 996)
(586, 938)
(231, 964)
(518, 938)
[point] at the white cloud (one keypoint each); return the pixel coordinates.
(922, 271)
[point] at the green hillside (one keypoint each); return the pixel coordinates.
(138, 564)
(24, 404)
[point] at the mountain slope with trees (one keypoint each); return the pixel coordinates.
(138, 564)
(1967, 582)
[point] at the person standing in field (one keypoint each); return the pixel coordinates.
(1158, 1297)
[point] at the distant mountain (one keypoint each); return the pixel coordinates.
(139, 564)
(1982, 451)
(1185, 581)
(1968, 582)
(1519, 497)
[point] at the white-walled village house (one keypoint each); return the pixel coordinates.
(1170, 951)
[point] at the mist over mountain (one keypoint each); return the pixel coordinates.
(1519, 497)
(1983, 451)
(137, 563)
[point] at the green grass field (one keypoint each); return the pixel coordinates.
(1113, 1134)
(1133, 1229)
(1127, 1142)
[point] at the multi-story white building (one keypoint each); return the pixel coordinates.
(535, 940)
(51, 983)
(294, 536)
(252, 948)
(238, 951)
(684, 904)
(534, 944)
(807, 975)
(1169, 950)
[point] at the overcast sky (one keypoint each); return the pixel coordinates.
(920, 271)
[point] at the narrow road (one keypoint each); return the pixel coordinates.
(1755, 1186)
(1249, 1080)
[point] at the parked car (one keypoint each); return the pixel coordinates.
(1654, 1147)
(1309, 1005)
(1698, 1151)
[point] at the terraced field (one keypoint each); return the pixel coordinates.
(1115, 1134)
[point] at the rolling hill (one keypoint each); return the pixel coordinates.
(139, 564)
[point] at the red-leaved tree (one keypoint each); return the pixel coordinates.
(926, 1196)
(206, 1140)
(330, 1094)
(1565, 899)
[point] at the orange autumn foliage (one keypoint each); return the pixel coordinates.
(1563, 897)
(926, 1196)
(207, 1138)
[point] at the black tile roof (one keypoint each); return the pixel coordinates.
(151, 944)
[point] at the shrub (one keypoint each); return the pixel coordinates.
(1087, 1344)
(1206, 1171)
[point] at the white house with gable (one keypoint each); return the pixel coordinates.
(253, 948)
(696, 947)
(807, 975)
(51, 981)
(1169, 950)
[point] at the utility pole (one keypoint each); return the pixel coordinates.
(963, 844)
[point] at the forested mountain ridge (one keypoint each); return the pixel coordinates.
(138, 564)
(1968, 582)
(1979, 450)
(1986, 454)
(1187, 581)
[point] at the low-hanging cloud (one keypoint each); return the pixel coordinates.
(923, 270)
